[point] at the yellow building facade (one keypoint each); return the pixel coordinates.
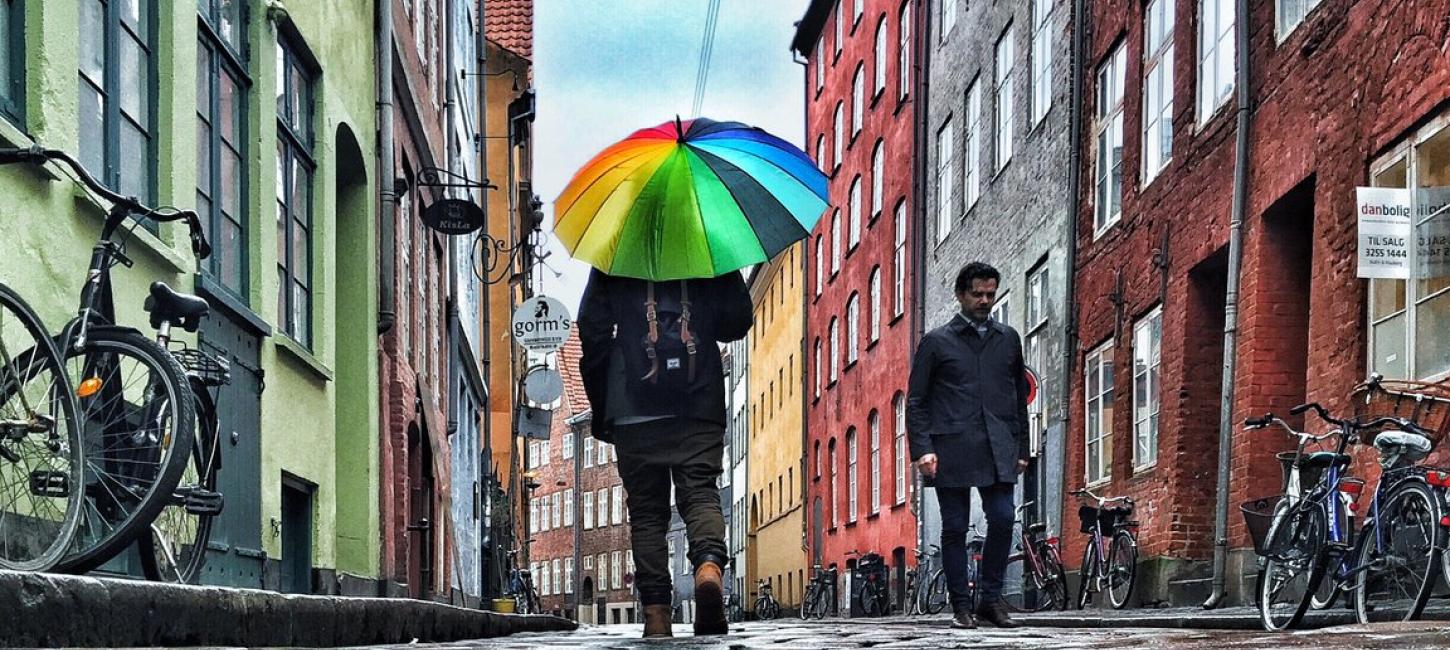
(776, 546)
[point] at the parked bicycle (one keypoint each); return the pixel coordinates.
(41, 463)
(734, 612)
(132, 396)
(1110, 559)
(926, 584)
(1391, 564)
(870, 588)
(521, 587)
(766, 607)
(1038, 559)
(820, 593)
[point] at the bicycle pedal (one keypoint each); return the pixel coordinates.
(202, 502)
(1338, 547)
(49, 484)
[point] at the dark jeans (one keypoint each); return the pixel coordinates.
(956, 517)
(652, 455)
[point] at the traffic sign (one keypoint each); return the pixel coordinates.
(543, 385)
(542, 324)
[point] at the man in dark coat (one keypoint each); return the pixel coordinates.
(966, 416)
(652, 370)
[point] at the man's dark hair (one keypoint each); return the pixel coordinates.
(976, 271)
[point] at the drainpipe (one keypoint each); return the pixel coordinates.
(480, 147)
(455, 377)
(1074, 194)
(1231, 314)
(387, 195)
(921, 106)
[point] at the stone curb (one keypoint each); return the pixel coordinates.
(49, 610)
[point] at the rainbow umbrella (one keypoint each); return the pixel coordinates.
(689, 199)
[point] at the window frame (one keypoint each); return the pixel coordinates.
(878, 84)
(874, 429)
(1208, 58)
(945, 183)
(292, 54)
(903, 53)
(1004, 90)
(972, 163)
(874, 285)
(902, 452)
(834, 456)
(1103, 398)
(1042, 59)
(948, 18)
(853, 234)
(1283, 27)
(898, 261)
(835, 339)
(853, 330)
(852, 476)
(1158, 61)
(12, 89)
(109, 95)
(223, 59)
(1152, 392)
(858, 100)
(1108, 125)
(878, 181)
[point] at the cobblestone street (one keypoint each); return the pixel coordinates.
(934, 633)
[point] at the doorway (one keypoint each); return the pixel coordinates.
(296, 535)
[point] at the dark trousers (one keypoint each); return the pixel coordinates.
(652, 456)
(956, 518)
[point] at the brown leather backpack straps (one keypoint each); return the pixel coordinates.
(652, 317)
(687, 336)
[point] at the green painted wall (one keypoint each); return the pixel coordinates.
(319, 415)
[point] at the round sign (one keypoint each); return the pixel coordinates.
(544, 385)
(453, 216)
(1032, 384)
(542, 324)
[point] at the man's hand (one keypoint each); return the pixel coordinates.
(1021, 466)
(927, 465)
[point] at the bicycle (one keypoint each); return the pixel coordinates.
(820, 595)
(41, 461)
(933, 598)
(1044, 582)
(1391, 564)
(871, 589)
(1111, 569)
(733, 611)
(521, 587)
(766, 607)
(132, 394)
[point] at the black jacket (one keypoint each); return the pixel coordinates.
(612, 314)
(967, 403)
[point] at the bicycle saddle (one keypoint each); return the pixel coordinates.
(180, 309)
(1402, 445)
(1039, 527)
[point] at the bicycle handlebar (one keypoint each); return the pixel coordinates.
(36, 155)
(1101, 500)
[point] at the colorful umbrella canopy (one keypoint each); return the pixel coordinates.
(689, 199)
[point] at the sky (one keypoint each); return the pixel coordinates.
(605, 68)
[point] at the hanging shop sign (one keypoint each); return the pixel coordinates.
(542, 324)
(453, 216)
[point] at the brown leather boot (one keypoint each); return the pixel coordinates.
(709, 601)
(657, 624)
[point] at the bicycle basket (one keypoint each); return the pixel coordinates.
(1113, 517)
(1426, 404)
(1258, 518)
(211, 370)
(1309, 475)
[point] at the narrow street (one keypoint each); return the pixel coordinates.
(933, 632)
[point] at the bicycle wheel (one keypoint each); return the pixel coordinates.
(175, 548)
(1293, 566)
(138, 429)
(1400, 557)
(1328, 591)
(1054, 577)
(936, 594)
(41, 464)
(1024, 596)
(870, 600)
(1122, 569)
(1087, 572)
(809, 602)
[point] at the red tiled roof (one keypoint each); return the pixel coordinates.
(575, 401)
(510, 23)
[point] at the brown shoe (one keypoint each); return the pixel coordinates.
(657, 624)
(709, 601)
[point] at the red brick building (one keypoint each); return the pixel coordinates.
(1341, 94)
(859, 59)
(598, 511)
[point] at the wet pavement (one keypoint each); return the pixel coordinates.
(934, 632)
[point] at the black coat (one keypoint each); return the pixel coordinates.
(967, 403)
(612, 314)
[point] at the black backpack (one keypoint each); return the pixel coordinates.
(662, 366)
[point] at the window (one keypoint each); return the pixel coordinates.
(836, 242)
(602, 501)
(1290, 13)
(588, 510)
(1006, 54)
(820, 65)
(875, 462)
(820, 264)
(117, 94)
(1033, 350)
(1408, 318)
(816, 460)
(544, 447)
(944, 181)
(898, 406)
(543, 513)
(12, 58)
(972, 184)
(558, 509)
(880, 61)
(875, 304)
(221, 110)
(835, 350)
(533, 516)
(821, 152)
(589, 562)
(835, 486)
(567, 449)
(1041, 59)
(603, 458)
(851, 475)
(568, 575)
(1157, 88)
(603, 571)
(618, 511)
(840, 20)
(616, 570)
(859, 7)
(948, 18)
(1147, 343)
(543, 576)
(903, 52)
(558, 577)
(854, 234)
(533, 455)
(1037, 297)
(588, 452)
(858, 99)
(1002, 310)
(839, 135)
(818, 368)
(898, 262)
(878, 177)
(853, 329)
(1110, 141)
(1099, 430)
(1216, 51)
(294, 195)
(569, 507)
